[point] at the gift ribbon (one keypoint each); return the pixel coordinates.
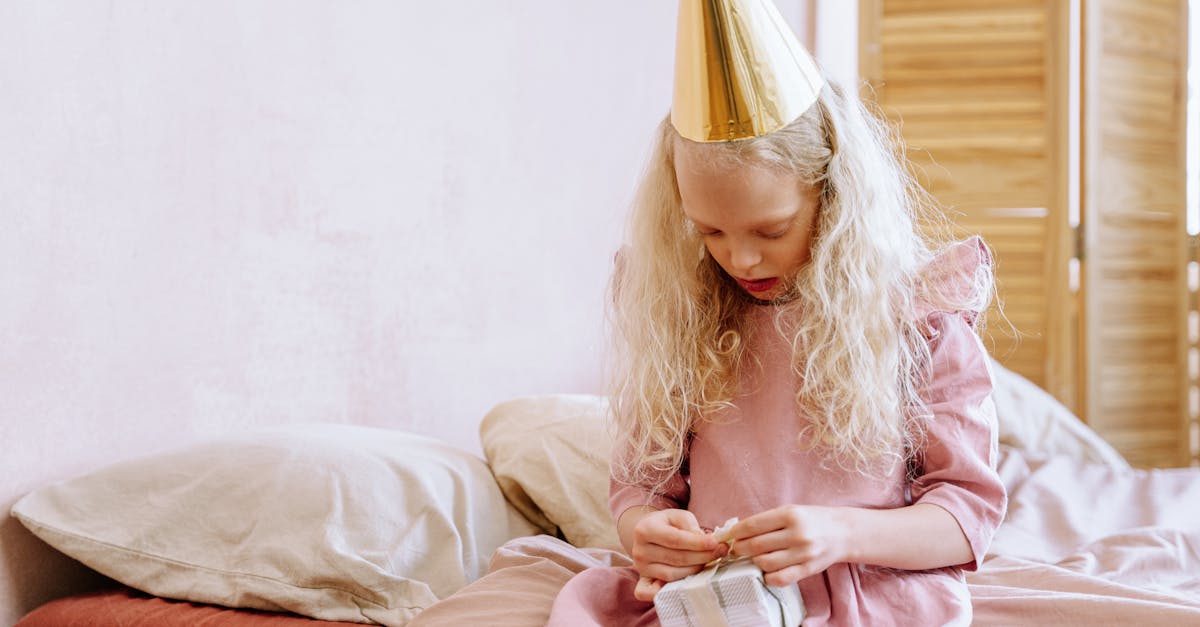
(701, 597)
(703, 600)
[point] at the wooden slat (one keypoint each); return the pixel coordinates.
(901, 7)
(1134, 223)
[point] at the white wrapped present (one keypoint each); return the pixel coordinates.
(728, 594)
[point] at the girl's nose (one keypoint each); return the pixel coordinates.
(744, 257)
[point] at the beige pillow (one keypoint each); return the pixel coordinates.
(1034, 421)
(550, 457)
(335, 522)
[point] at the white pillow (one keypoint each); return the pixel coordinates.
(336, 522)
(1034, 421)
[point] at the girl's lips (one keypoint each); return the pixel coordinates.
(760, 285)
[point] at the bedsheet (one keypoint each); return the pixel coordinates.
(1083, 544)
(1086, 544)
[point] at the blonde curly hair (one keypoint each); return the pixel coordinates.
(859, 354)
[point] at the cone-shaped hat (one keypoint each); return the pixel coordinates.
(739, 71)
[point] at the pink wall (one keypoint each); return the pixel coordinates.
(226, 214)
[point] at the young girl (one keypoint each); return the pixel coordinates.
(796, 353)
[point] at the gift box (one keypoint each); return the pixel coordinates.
(731, 594)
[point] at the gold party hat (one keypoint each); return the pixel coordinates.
(739, 71)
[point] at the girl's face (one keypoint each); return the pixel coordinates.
(757, 223)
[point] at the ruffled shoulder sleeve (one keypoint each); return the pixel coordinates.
(959, 280)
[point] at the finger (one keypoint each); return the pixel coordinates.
(664, 555)
(646, 589)
(667, 573)
(778, 560)
(675, 538)
(778, 540)
(788, 576)
(683, 519)
(758, 524)
(790, 566)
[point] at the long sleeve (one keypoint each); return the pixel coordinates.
(956, 464)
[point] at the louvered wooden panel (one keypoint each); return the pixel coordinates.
(969, 83)
(1018, 237)
(1134, 224)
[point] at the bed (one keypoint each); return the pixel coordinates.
(312, 525)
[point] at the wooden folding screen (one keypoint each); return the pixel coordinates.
(987, 96)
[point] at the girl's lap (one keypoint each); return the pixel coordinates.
(524, 579)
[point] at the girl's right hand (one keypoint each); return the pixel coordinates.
(669, 544)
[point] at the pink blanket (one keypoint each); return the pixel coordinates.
(1083, 544)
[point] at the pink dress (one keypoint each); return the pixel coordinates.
(747, 461)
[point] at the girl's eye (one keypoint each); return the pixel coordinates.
(710, 233)
(775, 235)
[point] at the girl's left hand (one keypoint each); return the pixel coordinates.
(792, 542)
